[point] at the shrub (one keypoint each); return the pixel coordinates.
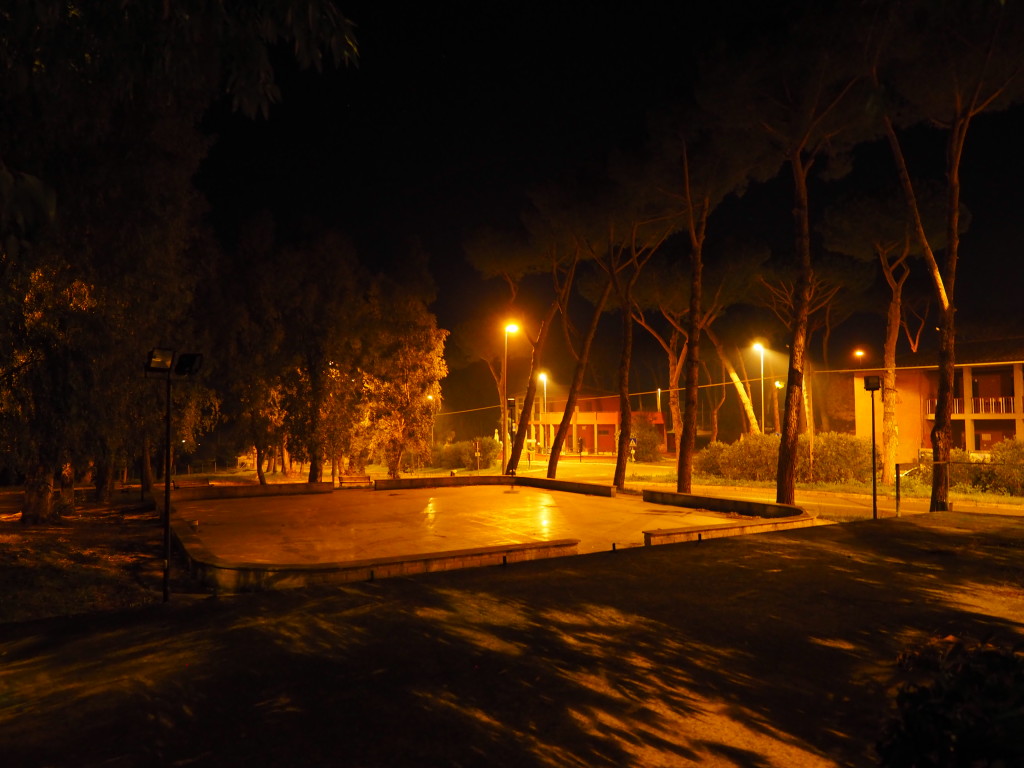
(708, 461)
(1007, 470)
(958, 705)
(648, 439)
(463, 454)
(964, 472)
(838, 458)
(752, 457)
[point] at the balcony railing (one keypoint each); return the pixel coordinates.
(979, 405)
(992, 404)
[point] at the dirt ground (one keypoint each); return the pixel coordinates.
(754, 652)
(101, 558)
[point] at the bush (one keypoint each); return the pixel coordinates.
(462, 455)
(965, 473)
(709, 460)
(648, 439)
(958, 705)
(1007, 471)
(838, 458)
(752, 457)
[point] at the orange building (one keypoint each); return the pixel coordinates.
(595, 422)
(988, 399)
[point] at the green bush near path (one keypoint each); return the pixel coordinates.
(837, 458)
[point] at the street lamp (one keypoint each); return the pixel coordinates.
(872, 384)
(760, 349)
(510, 328)
(859, 354)
(543, 409)
(161, 363)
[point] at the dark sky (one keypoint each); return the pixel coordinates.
(455, 108)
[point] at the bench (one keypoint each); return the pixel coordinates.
(190, 483)
(344, 480)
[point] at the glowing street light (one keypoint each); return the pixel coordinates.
(759, 347)
(859, 354)
(510, 328)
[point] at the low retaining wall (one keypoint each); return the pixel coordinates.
(240, 491)
(440, 481)
(223, 576)
(678, 535)
(716, 504)
(570, 486)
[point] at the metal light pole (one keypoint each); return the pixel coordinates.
(872, 384)
(161, 363)
(760, 348)
(510, 328)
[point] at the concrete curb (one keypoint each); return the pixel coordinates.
(679, 535)
(225, 576)
(719, 504)
(570, 486)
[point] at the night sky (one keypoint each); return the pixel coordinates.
(457, 108)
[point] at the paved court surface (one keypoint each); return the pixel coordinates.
(364, 524)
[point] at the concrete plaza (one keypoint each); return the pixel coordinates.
(363, 524)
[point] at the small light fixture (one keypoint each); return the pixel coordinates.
(160, 360)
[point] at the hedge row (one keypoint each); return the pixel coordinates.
(838, 458)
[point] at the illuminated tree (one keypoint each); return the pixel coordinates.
(404, 366)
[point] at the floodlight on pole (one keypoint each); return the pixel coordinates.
(510, 328)
(872, 384)
(161, 362)
(759, 347)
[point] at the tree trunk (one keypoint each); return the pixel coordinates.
(890, 433)
(37, 507)
(674, 408)
(259, 466)
(714, 406)
(147, 466)
(942, 429)
(67, 488)
(104, 474)
(741, 391)
(577, 382)
(688, 441)
(531, 389)
(785, 481)
(625, 411)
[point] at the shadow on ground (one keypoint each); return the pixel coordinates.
(770, 650)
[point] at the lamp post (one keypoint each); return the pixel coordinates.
(543, 409)
(161, 363)
(510, 328)
(872, 384)
(760, 349)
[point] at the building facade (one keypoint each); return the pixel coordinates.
(988, 400)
